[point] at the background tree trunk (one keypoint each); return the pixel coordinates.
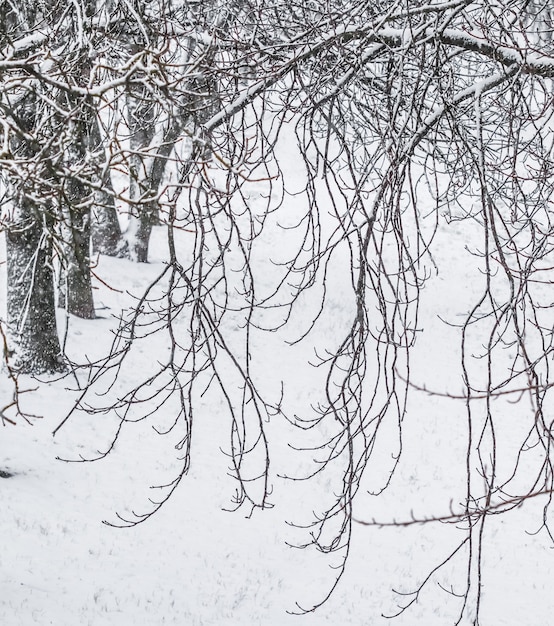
(107, 236)
(143, 211)
(76, 284)
(141, 221)
(75, 219)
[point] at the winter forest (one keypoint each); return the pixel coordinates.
(277, 312)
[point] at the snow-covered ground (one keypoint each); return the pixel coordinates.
(194, 563)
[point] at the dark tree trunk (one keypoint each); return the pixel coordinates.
(76, 286)
(76, 196)
(31, 303)
(75, 225)
(31, 309)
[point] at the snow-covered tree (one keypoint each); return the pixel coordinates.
(31, 213)
(405, 113)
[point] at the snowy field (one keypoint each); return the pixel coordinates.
(195, 563)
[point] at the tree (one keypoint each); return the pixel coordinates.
(49, 130)
(30, 309)
(107, 236)
(394, 105)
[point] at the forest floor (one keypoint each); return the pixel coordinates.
(194, 563)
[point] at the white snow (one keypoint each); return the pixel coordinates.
(194, 563)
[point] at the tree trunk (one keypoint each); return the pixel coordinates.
(75, 225)
(145, 181)
(107, 237)
(141, 120)
(31, 309)
(139, 230)
(76, 284)
(32, 329)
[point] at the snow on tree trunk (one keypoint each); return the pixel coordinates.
(32, 328)
(141, 119)
(107, 237)
(138, 232)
